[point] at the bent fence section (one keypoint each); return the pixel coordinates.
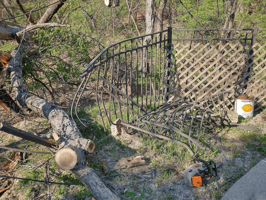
(135, 76)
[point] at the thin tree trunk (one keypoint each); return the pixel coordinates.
(149, 18)
(229, 22)
(51, 10)
(160, 11)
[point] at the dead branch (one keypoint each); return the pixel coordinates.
(50, 12)
(132, 17)
(39, 25)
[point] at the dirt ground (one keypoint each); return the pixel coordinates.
(160, 178)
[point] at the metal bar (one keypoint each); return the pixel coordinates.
(159, 136)
(119, 80)
(180, 30)
(219, 39)
(122, 93)
(97, 99)
(27, 136)
(116, 97)
(137, 84)
(26, 151)
(113, 68)
(150, 74)
(41, 181)
(141, 74)
(164, 65)
(174, 129)
(111, 45)
(131, 79)
(155, 74)
(160, 67)
(126, 82)
(169, 46)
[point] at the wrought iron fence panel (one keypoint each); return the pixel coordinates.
(127, 78)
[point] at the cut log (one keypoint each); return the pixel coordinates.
(66, 158)
(65, 128)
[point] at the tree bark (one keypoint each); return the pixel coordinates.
(149, 18)
(51, 10)
(229, 22)
(160, 12)
(8, 30)
(65, 128)
(25, 11)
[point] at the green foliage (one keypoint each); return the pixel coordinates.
(212, 14)
(82, 193)
(8, 46)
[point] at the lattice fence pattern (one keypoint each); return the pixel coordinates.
(207, 65)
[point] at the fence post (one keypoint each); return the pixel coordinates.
(169, 48)
(251, 53)
(254, 35)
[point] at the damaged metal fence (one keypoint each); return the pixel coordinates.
(201, 71)
(128, 79)
(183, 122)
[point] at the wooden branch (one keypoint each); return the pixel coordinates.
(8, 11)
(25, 12)
(132, 17)
(51, 11)
(8, 30)
(65, 128)
(39, 25)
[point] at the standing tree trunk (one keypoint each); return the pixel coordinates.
(150, 19)
(229, 22)
(160, 12)
(50, 12)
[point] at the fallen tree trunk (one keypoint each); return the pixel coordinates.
(65, 128)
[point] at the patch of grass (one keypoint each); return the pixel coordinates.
(82, 193)
(128, 194)
(31, 144)
(29, 175)
(11, 140)
(247, 136)
(61, 190)
(8, 46)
